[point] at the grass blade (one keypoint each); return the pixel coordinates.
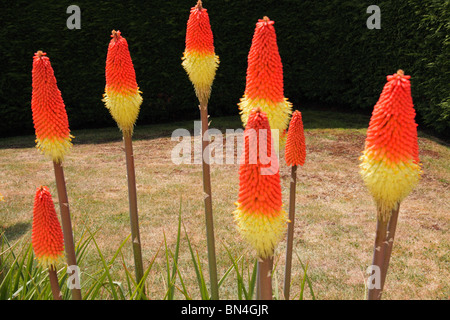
(302, 286)
(139, 291)
(240, 281)
(306, 276)
(200, 279)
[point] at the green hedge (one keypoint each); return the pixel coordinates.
(328, 55)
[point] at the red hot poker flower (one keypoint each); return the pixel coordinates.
(122, 96)
(259, 213)
(295, 153)
(264, 84)
(47, 237)
(199, 58)
(49, 113)
(265, 70)
(199, 36)
(390, 164)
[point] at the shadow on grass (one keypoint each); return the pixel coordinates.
(16, 230)
(313, 118)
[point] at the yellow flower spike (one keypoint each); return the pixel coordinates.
(390, 164)
(259, 215)
(199, 59)
(265, 87)
(50, 119)
(122, 96)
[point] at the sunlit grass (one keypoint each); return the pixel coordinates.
(334, 228)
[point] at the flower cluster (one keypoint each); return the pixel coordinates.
(47, 237)
(264, 86)
(295, 152)
(199, 59)
(49, 113)
(390, 164)
(259, 214)
(122, 96)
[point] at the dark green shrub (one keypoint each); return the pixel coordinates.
(328, 54)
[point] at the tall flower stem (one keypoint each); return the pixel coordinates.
(374, 292)
(265, 278)
(259, 214)
(53, 276)
(123, 100)
(208, 204)
(290, 233)
(132, 198)
(392, 225)
(200, 63)
(66, 222)
(390, 165)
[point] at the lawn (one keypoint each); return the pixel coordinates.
(335, 222)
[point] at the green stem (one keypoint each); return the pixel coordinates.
(265, 279)
(290, 233)
(53, 276)
(132, 199)
(66, 222)
(208, 204)
(389, 243)
(374, 292)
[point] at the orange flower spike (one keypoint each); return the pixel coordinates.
(390, 164)
(259, 214)
(256, 186)
(199, 59)
(47, 237)
(122, 96)
(265, 70)
(199, 36)
(264, 87)
(295, 152)
(49, 113)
